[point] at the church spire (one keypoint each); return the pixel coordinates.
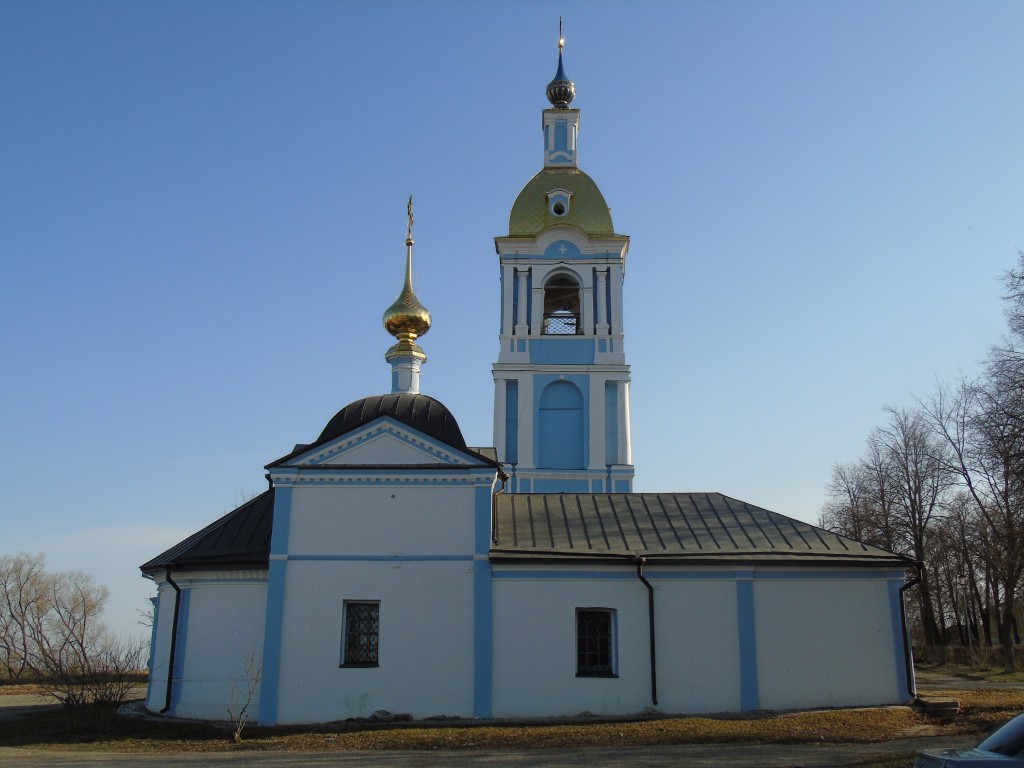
(406, 320)
(561, 91)
(561, 122)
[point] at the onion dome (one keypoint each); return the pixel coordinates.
(561, 91)
(420, 412)
(407, 318)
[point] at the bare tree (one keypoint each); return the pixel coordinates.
(982, 425)
(241, 698)
(24, 601)
(50, 630)
(919, 479)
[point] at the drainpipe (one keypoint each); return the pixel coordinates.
(174, 642)
(650, 622)
(908, 653)
(502, 478)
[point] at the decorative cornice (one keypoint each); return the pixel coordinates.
(300, 476)
(324, 454)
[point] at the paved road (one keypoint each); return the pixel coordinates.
(699, 756)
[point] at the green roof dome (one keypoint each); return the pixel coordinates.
(587, 209)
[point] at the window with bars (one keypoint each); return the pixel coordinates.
(361, 634)
(595, 636)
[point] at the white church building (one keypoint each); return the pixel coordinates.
(392, 567)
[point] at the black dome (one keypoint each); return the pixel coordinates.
(420, 412)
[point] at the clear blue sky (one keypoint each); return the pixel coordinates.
(202, 214)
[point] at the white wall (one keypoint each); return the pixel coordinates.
(391, 519)
(535, 647)
(426, 640)
(697, 644)
(222, 628)
(824, 643)
(821, 639)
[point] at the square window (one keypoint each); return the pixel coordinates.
(360, 634)
(595, 635)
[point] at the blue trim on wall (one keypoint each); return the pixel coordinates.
(274, 621)
(561, 135)
(655, 575)
(383, 558)
(483, 638)
(559, 350)
(179, 651)
(155, 602)
(896, 621)
(551, 485)
(512, 421)
(483, 607)
(575, 575)
(746, 621)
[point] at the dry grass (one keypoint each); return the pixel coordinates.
(51, 730)
(982, 711)
(991, 674)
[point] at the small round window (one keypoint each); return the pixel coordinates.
(558, 208)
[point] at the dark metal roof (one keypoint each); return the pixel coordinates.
(240, 538)
(420, 412)
(690, 527)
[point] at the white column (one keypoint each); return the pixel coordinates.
(602, 304)
(522, 328)
(500, 389)
(508, 274)
(587, 305)
(625, 444)
(537, 315)
(615, 275)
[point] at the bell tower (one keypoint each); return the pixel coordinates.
(561, 383)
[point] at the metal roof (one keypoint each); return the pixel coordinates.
(240, 538)
(420, 412)
(690, 527)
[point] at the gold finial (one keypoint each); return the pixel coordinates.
(408, 233)
(561, 40)
(407, 319)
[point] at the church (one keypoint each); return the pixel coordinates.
(391, 566)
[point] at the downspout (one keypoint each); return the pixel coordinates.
(174, 642)
(650, 622)
(502, 478)
(908, 653)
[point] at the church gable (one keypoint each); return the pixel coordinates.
(384, 442)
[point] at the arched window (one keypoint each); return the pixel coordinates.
(561, 427)
(562, 306)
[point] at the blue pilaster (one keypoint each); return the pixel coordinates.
(274, 625)
(750, 698)
(483, 608)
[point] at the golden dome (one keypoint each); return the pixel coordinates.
(407, 319)
(587, 210)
